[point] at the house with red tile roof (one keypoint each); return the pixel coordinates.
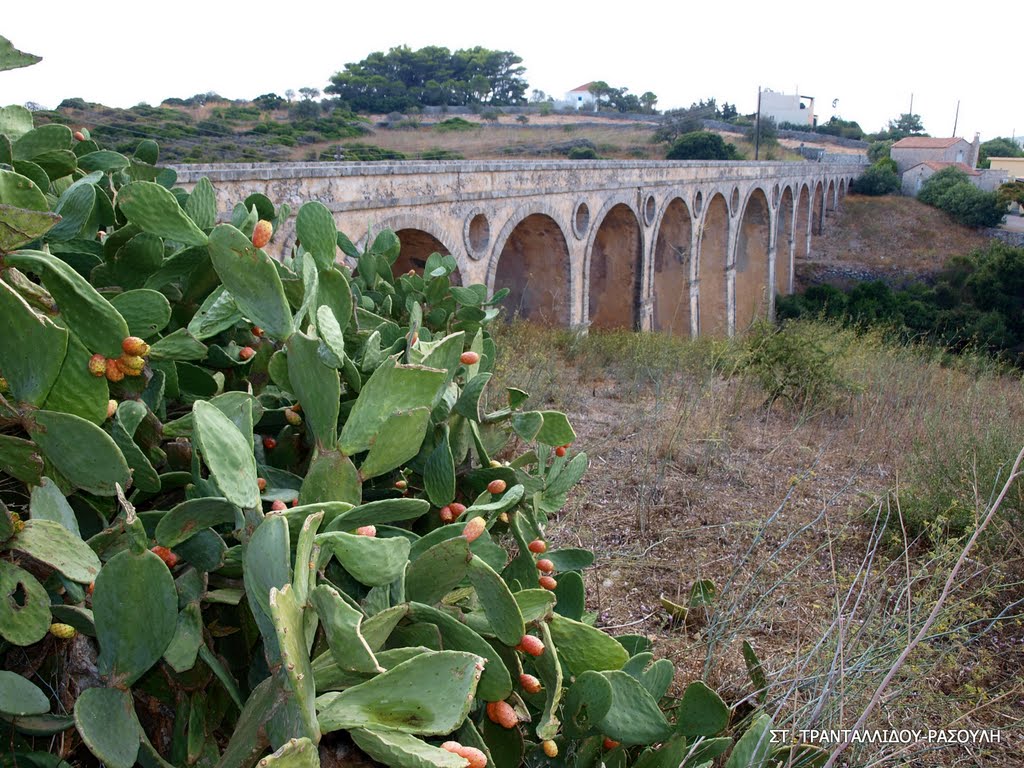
(580, 97)
(914, 150)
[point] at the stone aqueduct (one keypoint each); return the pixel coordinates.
(682, 247)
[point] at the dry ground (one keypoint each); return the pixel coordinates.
(890, 237)
(692, 476)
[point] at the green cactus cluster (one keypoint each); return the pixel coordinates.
(246, 537)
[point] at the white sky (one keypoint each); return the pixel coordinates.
(871, 57)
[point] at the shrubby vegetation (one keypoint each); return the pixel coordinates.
(836, 126)
(702, 145)
(975, 303)
(997, 147)
(951, 191)
(879, 179)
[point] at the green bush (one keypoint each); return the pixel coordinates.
(455, 124)
(880, 179)
(950, 190)
(701, 145)
(582, 153)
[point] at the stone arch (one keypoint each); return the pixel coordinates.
(818, 209)
(419, 237)
(830, 196)
(531, 258)
(670, 278)
(613, 266)
(802, 224)
(753, 240)
(784, 242)
(842, 188)
(712, 253)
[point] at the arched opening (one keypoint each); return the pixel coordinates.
(830, 196)
(784, 244)
(819, 209)
(615, 270)
(842, 188)
(714, 242)
(752, 244)
(801, 234)
(534, 266)
(417, 245)
(672, 271)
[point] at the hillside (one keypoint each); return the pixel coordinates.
(221, 131)
(890, 238)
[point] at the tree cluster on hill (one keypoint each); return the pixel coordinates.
(620, 100)
(907, 124)
(881, 178)
(977, 301)
(950, 190)
(433, 76)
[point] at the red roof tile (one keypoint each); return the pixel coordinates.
(925, 142)
(938, 166)
(584, 87)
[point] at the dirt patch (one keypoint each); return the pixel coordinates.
(892, 238)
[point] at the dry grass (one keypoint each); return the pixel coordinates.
(795, 514)
(892, 237)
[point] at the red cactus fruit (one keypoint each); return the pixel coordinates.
(97, 365)
(496, 486)
(91, 588)
(401, 484)
(261, 483)
(547, 582)
(257, 331)
(469, 358)
(295, 502)
(169, 558)
(246, 353)
(474, 528)
(79, 136)
(269, 443)
(114, 370)
(538, 547)
(609, 743)
(292, 417)
(529, 683)
(261, 233)
(367, 530)
(278, 506)
(457, 508)
(451, 746)
(111, 408)
(446, 515)
(545, 565)
(501, 712)
(560, 451)
(476, 758)
(549, 747)
(134, 346)
(531, 645)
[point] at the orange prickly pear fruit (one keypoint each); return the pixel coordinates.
(501, 712)
(114, 370)
(132, 365)
(134, 346)
(292, 417)
(261, 483)
(547, 582)
(367, 530)
(549, 747)
(261, 233)
(111, 408)
(469, 358)
(79, 136)
(496, 486)
(610, 743)
(560, 451)
(246, 353)
(97, 365)
(446, 514)
(529, 683)
(545, 565)
(457, 509)
(474, 528)
(269, 443)
(166, 555)
(538, 547)
(531, 645)
(278, 506)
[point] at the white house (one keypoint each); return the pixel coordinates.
(787, 107)
(581, 98)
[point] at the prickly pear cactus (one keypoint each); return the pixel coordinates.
(276, 501)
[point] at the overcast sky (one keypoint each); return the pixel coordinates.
(870, 57)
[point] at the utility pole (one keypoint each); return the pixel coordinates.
(911, 103)
(757, 126)
(957, 118)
